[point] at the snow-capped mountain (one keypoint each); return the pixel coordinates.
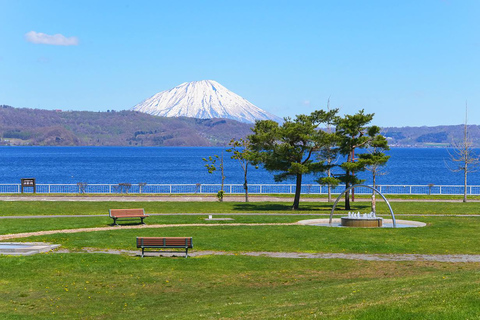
(204, 99)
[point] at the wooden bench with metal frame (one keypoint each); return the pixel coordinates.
(165, 243)
(116, 214)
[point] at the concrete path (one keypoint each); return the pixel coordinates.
(191, 198)
(455, 258)
(142, 226)
(237, 214)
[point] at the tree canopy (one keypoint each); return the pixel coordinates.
(354, 133)
(288, 149)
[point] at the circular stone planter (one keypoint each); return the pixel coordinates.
(362, 222)
(386, 223)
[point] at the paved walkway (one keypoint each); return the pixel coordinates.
(237, 214)
(193, 198)
(142, 226)
(452, 258)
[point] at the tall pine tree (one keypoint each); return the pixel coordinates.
(353, 134)
(289, 149)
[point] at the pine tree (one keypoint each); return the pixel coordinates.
(354, 133)
(375, 159)
(289, 149)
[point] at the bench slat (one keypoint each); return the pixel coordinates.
(127, 212)
(116, 214)
(165, 242)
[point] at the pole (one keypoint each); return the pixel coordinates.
(353, 175)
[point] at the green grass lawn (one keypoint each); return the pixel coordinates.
(443, 235)
(82, 285)
(29, 208)
(100, 286)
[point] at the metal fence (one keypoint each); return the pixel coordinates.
(124, 188)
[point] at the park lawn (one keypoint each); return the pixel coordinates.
(101, 286)
(33, 208)
(442, 235)
(11, 226)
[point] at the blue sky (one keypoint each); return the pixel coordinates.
(411, 63)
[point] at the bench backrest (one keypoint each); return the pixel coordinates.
(126, 212)
(181, 242)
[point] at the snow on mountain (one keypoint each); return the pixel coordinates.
(204, 99)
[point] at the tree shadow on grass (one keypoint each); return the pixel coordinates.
(280, 207)
(126, 223)
(304, 207)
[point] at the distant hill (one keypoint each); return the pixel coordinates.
(439, 136)
(21, 126)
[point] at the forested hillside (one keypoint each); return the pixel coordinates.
(438, 136)
(21, 126)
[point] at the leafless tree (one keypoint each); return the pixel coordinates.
(329, 155)
(462, 157)
(82, 186)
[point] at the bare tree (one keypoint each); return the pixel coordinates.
(329, 155)
(82, 186)
(463, 157)
(241, 151)
(211, 167)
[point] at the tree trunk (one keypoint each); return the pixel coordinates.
(347, 194)
(347, 197)
(245, 185)
(374, 200)
(347, 184)
(329, 199)
(465, 184)
(298, 190)
(353, 174)
(223, 179)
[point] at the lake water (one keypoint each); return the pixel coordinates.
(184, 165)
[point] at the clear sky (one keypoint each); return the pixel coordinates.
(410, 62)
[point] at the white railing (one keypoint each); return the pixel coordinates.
(232, 189)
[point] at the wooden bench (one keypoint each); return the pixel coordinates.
(116, 214)
(165, 243)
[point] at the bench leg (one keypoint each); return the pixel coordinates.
(115, 222)
(186, 253)
(143, 252)
(142, 221)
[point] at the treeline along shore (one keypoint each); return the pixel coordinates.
(38, 127)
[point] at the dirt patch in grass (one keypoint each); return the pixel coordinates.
(424, 258)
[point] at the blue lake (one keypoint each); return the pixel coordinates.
(184, 165)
